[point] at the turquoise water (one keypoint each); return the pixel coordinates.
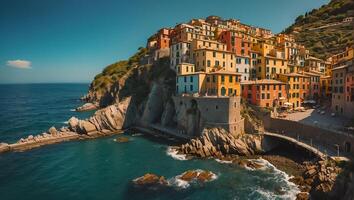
(102, 168)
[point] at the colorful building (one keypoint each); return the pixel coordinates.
(190, 83)
(179, 53)
(326, 87)
(218, 83)
(315, 64)
(209, 60)
(298, 87)
(314, 90)
(264, 93)
(343, 89)
(236, 42)
(243, 67)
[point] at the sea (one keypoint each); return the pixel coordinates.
(104, 169)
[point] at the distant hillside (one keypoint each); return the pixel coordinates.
(324, 30)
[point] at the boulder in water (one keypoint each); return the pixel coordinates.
(150, 179)
(197, 175)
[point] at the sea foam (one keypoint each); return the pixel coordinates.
(177, 182)
(290, 190)
(174, 154)
(223, 161)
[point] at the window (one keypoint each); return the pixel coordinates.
(230, 91)
(191, 87)
(214, 79)
(208, 63)
(208, 79)
(238, 60)
(185, 79)
(191, 79)
(214, 54)
(268, 96)
(216, 63)
(263, 96)
(230, 79)
(222, 78)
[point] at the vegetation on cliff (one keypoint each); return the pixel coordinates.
(323, 31)
(129, 78)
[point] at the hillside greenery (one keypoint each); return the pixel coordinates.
(330, 39)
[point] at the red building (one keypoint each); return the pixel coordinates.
(235, 42)
(264, 93)
(314, 90)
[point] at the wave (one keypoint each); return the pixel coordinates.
(72, 110)
(177, 182)
(174, 154)
(137, 134)
(66, 122)
(223, 161)
(289, 191)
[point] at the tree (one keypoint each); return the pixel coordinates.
(299, 19)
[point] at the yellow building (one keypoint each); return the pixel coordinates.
(209, 60)
(222, 83)
(271, 61)
(271, 66)
(326, 86)
(298, 86)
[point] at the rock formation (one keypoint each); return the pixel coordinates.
(318, 180)
(112, 118)
(217, 142)
(150, 180)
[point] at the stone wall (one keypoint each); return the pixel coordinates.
(328, 138)
(196, 113)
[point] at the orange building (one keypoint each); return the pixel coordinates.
(163, 38)
(264, 93)
(235, 43)
(222, 83)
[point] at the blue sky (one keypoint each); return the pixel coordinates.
(45, 41)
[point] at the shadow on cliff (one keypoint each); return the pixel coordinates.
(139, 85)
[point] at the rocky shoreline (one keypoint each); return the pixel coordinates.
(107, 121)
(315, 178)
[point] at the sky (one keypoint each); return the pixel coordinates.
(55, 41)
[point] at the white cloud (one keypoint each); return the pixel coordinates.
(20, 64)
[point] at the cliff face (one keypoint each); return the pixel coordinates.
(148, 86)
(324, 30)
